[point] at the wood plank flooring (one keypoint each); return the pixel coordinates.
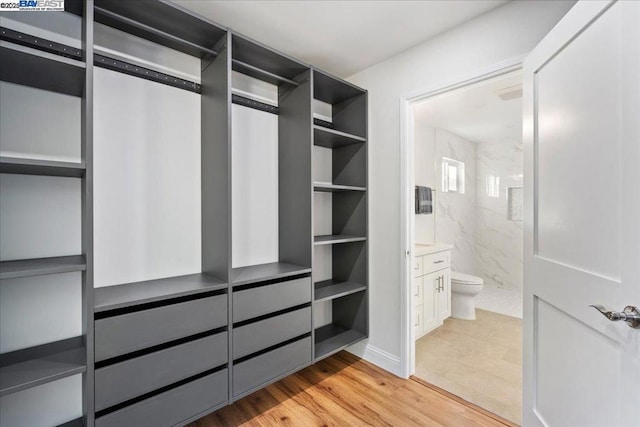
(346, 391)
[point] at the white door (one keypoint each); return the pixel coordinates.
(582, 226)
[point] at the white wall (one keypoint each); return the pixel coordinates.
(502, 34)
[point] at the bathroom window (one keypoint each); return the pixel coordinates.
(452, 176)
(492, 186)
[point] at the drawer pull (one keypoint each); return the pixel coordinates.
(440, 261)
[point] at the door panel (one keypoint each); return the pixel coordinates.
(581, 135)
(579, 140)
(444, 296)
(430, 301)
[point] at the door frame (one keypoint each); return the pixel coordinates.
(407, 183)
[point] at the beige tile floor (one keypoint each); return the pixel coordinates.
(479, 360)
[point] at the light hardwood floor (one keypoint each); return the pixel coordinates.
(346, 391)
(479, 360)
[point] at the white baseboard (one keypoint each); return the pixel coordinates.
(378, 357)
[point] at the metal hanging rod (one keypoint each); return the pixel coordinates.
(152, 30)
(256, 105)
(251, 68)
(145, 73)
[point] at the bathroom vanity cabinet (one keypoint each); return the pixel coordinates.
(431, 287)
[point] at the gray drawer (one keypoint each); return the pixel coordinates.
(135, 331)
(258, 371)
(266, 299)
(135, 377)
(265, 333)
(172, 406)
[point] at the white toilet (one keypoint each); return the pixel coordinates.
(464, 288)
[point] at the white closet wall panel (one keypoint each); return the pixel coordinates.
(39, 216)
(254, 187)
(147, 198)
(40, 309)
(50, 404)
(39, 124)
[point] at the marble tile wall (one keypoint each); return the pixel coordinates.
(486, 243)
(455, 214)
(498, 239)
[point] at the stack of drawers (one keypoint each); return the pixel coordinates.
(271, 332)
(161, 363)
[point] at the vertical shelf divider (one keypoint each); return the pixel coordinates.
(87, 215)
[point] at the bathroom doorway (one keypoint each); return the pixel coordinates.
(467, 230)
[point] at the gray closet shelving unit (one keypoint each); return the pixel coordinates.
(27, 60)
(347, 290)
(171, 350)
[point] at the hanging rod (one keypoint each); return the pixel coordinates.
(256, 105)
(152, 30)
(145, 73)
(265, 73)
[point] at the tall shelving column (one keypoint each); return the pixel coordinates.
(87, 214)
(31, 61)
(340, 216)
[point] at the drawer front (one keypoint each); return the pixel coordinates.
(119, 335)
(173, 406)
(437, 261)
(255, 302)
(265, 333)
(256, 372)
(126, 380)
(417, 266)
(417, 291)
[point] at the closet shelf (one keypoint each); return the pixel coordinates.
(336, 238)
(332, 288)
(42, 70)
(161, 22)
(23, 369)
(331, 90)
(262, 272)
(331, 138)
(23, 166)
(136, 293)
(257, 60)
(78, 422)
(332, 338)
(41, 266)
(259, 73)
(327, 187)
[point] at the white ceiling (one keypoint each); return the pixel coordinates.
(341, 37)
(476, 112)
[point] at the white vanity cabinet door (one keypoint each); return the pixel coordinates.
(430, 302)
(444, 295)
(417, 266)
(417, 291)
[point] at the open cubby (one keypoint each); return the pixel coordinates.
(31, 367)
(349, 325)
(349, 111)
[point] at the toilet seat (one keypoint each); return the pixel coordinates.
(465, 279)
